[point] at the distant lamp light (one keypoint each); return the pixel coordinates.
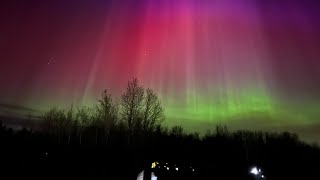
(177, 169)
(257, 172)
(254, 171)
(153, 165)
(168, 168)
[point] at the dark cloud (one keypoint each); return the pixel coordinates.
(15, 107)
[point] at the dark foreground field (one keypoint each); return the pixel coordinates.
(221, 155)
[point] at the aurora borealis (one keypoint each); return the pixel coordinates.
(246, 64)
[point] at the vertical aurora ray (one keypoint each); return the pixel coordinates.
(223, 85)
(243, 63)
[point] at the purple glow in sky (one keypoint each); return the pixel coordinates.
(247, 64)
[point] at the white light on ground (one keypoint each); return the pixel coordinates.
(153, 176)
(140, 176)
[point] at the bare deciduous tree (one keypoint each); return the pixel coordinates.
(49, 120)
(140, 109)
(54, 122)
(177, 131)
(84, 119)
(107, 113)
(69, 118)
(131, 106)
(153, 114)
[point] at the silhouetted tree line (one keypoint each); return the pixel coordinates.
(118, 139)
(139, 112)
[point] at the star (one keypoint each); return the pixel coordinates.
(51, 61)
(146, 52)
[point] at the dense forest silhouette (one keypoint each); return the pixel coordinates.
(118, 139)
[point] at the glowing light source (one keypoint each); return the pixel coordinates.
(153, 176)
(254, 171)
(153, 165)
(140, 175)
(257, 172)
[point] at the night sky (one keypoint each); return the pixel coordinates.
(246, 64)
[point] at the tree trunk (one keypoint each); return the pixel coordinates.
(69, 139)
(96, 136)
(107, 136)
